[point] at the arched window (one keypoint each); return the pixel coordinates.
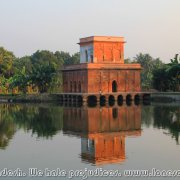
(114, 86)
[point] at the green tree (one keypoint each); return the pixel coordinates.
(20, 63)
(173, 72)
(3, 84)
(168, 77)
(75, 58)
(67, 59)
(127, 61)
(22, 71)
(44, 68)
(6, 62)
(62, 57)
(20, 79)
(148, 64)
(42, 76)
(160, 79)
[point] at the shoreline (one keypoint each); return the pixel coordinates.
(162, 97)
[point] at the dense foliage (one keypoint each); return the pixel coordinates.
(168, 77)
(41, 72)
(148, 64)
(157, 75)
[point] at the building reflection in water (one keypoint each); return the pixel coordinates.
(103, 131)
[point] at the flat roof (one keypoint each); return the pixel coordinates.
(102, 39)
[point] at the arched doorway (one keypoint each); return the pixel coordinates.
(102, 100)
(92, 101)
(128, 98)
(111, 100)
(114, 86)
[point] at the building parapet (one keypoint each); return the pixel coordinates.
(102, 66)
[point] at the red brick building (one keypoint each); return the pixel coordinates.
(101, 68)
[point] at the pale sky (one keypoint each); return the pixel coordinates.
(149, 26)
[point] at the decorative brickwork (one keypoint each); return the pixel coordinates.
(102, 68)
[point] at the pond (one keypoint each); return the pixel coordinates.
(51, 141)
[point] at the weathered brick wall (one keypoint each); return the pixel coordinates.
(109, 52)
(101, 80)
(94, 81)
(75, 81)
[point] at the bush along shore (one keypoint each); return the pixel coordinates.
(164, 97)
(29, 98)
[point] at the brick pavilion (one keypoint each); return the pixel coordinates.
(102, 68)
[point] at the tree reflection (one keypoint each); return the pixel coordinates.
(147, 116)
(7, 126)
(42, 120)
(168, 117)
(45, 121)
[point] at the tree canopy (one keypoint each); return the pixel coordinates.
(148, 64)
(158, 75)
(168, 77)
(6, 62)
(42, 71)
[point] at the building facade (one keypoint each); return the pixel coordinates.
(102, 68)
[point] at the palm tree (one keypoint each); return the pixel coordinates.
(173, 72)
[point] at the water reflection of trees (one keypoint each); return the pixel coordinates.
(147, 116)
(164, 117)
(7, 126)
(41, 120)
(167, 117)
(45, 121)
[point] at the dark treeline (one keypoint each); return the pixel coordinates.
(158, 75)
(41, 72)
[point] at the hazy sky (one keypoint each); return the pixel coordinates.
(149, 26)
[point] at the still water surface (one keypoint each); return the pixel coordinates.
(74, 138)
